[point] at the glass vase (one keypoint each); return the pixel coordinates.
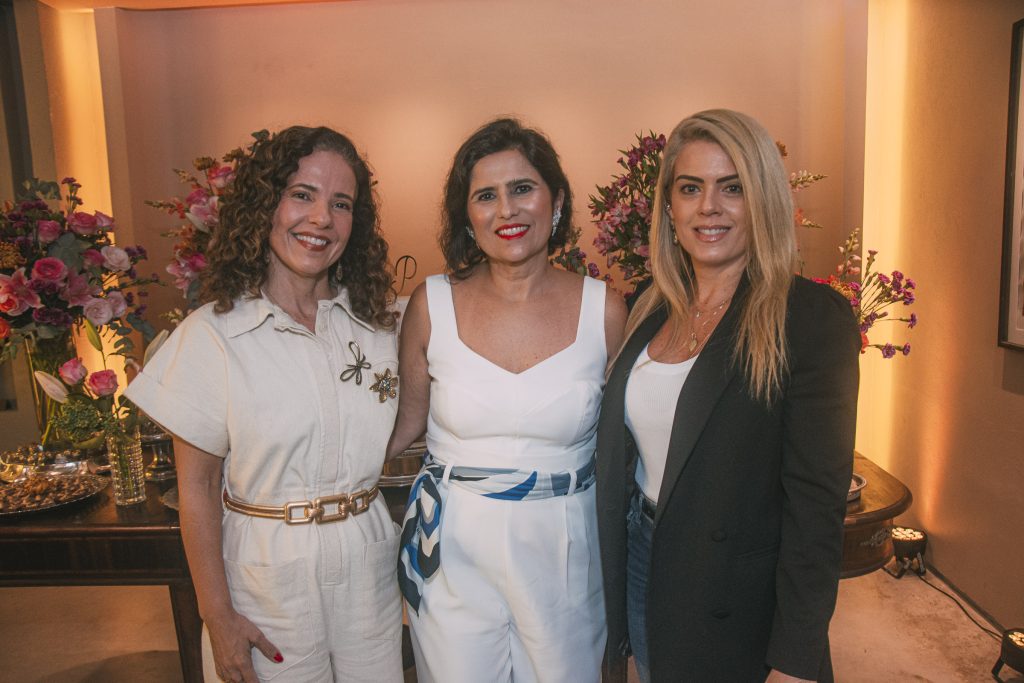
(126, 471)
(47, 355)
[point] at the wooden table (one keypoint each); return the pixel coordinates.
(867, 545)
(96, 543)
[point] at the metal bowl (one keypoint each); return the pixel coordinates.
(402, 471)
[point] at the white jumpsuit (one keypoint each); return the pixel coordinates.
(517, 596)
(266, 394)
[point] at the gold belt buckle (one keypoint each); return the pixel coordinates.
(310, 512)
(361, 501)
(344, 508)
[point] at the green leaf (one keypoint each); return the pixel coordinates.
(93, 335)
(68, 248)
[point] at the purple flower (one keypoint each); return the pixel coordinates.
(910, 284)
(45, 287)
(908, 298)
(98, 311)
(593, 270)
(54, 317)
(913, 321)
(888, 351)
(884, 279)
(118, 305)
(79, 290)
(906, 349)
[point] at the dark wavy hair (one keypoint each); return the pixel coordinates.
(239, 251)
(461, 253)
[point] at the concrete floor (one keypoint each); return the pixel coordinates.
(884, 630)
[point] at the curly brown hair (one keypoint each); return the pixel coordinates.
(239, 251)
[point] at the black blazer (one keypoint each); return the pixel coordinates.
(747, 542)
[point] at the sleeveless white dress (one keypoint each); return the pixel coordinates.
(517, 596)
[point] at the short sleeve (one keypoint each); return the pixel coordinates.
(183, 387)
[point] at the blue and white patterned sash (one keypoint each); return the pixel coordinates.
(420, 551)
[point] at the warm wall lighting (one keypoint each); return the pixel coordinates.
(1012, 652)
(908, 547)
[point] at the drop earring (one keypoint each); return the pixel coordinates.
(555, 217)
(471, 234)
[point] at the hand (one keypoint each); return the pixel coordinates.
(777, 676)
(232, 638)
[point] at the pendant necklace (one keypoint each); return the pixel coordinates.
(709, 317)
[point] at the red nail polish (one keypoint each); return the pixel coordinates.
(278, 658)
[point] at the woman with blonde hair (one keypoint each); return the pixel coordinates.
(726, 435)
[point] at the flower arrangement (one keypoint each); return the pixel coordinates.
(622, 214)
(91, 409)
(870, 292)
(200, 208)
(59, 266)
(622, 209)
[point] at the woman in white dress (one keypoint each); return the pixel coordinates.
(503, 363)
(280, 395)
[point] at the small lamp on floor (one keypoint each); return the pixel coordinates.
(908, 547)
(1012, 652)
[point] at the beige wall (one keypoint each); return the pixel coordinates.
(950, 423)
(409, 79)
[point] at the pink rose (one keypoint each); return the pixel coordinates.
(49, 269)
(196, 262)
(78, 290)
(92, 257)
(16, 296)
(5, 329)
(82, 223)
(104, 221)
(73, 372)
(102, 382)
(220, 176)
(98, 311)
(116, 259)
(48, 231)
(197, 196)
(118, 305)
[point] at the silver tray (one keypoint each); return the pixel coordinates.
(856, 484)
(93, 485)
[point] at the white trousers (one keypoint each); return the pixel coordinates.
(518, 595)
(333, 610)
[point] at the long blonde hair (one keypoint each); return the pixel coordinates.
(760, 344)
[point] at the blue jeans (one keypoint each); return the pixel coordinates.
(638, 564)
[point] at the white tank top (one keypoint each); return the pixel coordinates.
(652, 392)
(543, 418)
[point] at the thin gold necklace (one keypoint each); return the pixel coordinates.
(709, 317)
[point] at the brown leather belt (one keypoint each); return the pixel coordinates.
(308, 511)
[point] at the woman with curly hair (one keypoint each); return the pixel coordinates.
(503, 363)
(280, 393)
